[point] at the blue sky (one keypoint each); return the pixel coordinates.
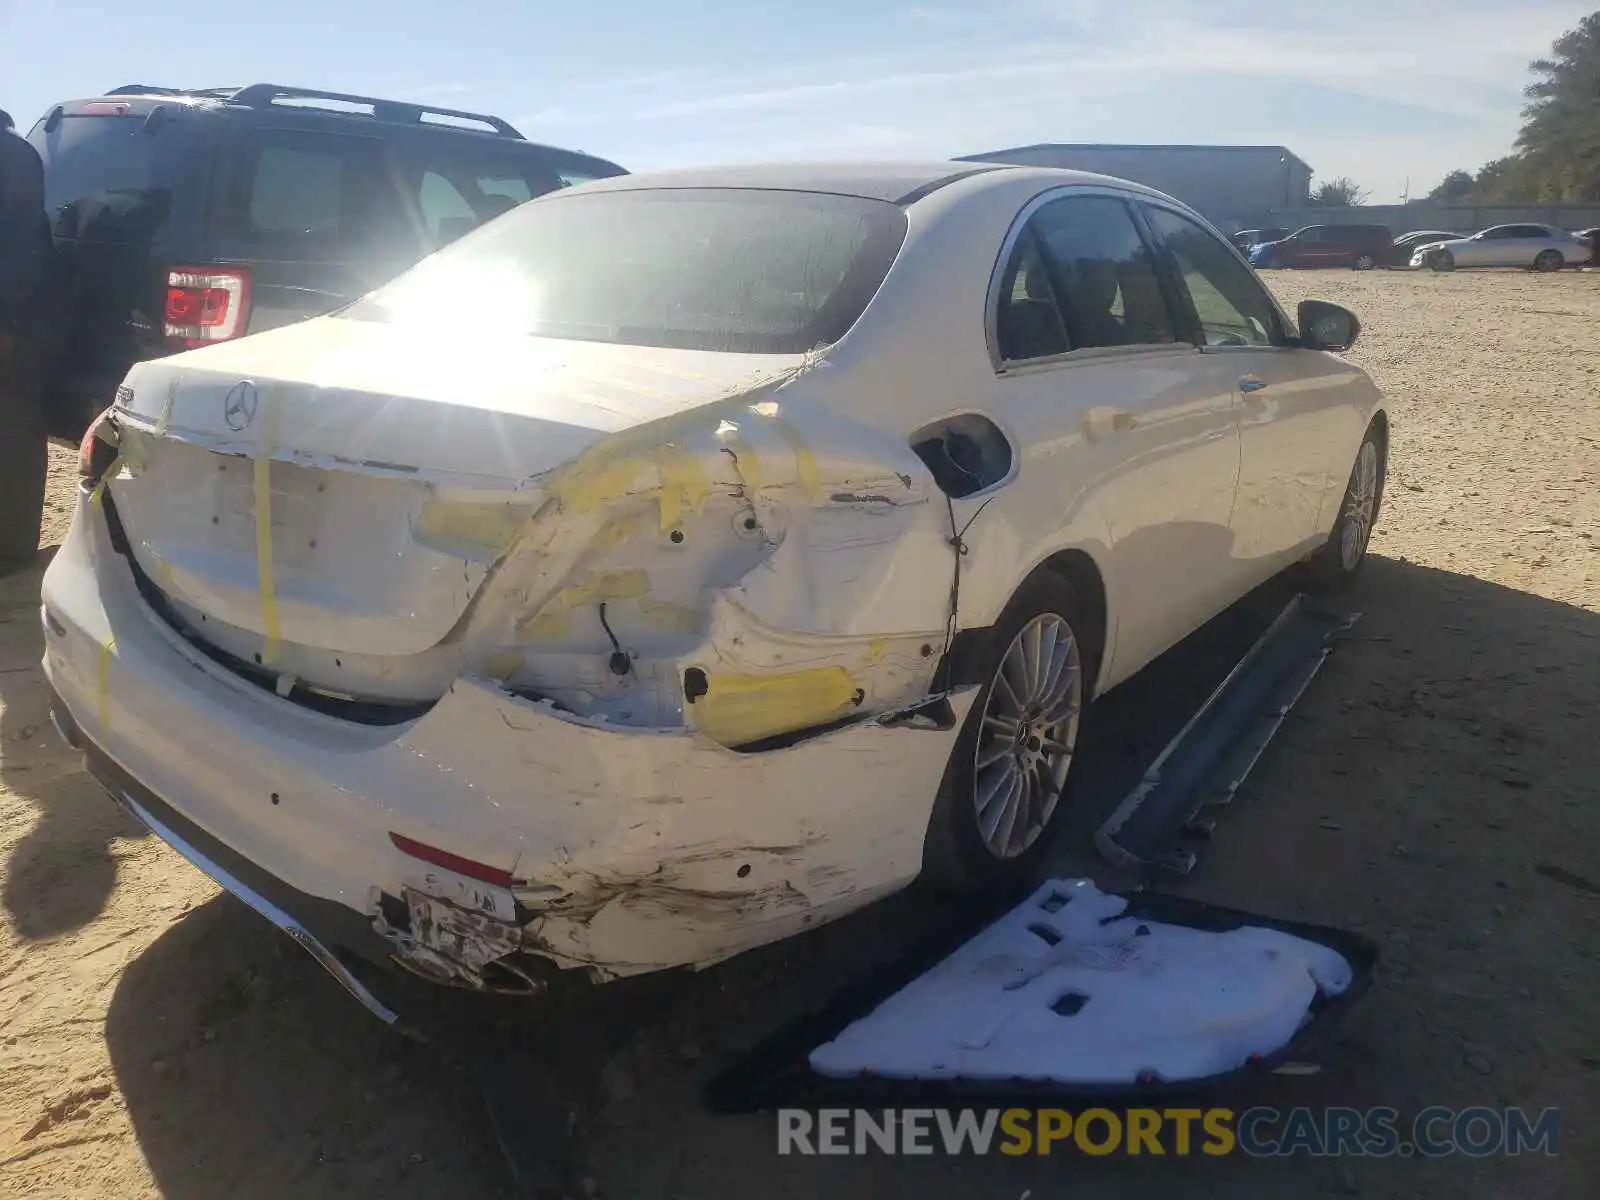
(1374, 89)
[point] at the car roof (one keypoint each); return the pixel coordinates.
(895, 182)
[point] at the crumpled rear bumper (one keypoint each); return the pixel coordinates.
(627, 850)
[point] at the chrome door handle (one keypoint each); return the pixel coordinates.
(1251, 384)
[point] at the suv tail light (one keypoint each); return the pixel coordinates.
(206, 304)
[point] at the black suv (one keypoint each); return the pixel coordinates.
(183, 217)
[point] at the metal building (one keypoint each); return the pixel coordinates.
(1235, 187)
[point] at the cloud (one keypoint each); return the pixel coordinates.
(1413, 82)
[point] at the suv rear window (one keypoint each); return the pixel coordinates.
(741, 270)
(100, 177)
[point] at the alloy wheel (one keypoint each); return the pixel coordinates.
(1029, 732)
(1360, 508)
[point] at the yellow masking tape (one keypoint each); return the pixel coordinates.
(485, 529)
(744, 708)
(551, 618)
(612, 535)
(261, 479)
(167, 403)
(684, 484)
(875, 649)
(590, 483)
(748, 463)
(502, 664)
(665, 615)
(102, 684)
(545, 626)
(805, 462)
(97, 495)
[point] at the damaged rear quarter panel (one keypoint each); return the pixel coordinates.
(642, 849)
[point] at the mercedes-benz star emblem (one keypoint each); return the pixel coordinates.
(239, 406)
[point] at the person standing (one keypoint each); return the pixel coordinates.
(24, 258)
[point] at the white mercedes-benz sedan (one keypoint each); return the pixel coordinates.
(679, 562)
(1534, 247)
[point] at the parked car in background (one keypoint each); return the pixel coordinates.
(1408, 243)
(1246, 238)
(1360, 246)
(1535, 247)
(186, 217)
(566, 608)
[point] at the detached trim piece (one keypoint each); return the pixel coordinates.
(266, 908)
(1209, 759)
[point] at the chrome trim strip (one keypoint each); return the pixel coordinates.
(265, 908)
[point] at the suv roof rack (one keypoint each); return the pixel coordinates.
(265, 95)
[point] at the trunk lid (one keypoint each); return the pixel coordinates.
(275, 483)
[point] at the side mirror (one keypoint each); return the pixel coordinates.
(1325, 326)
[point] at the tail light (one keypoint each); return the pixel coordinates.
(98, 450)
(206, 304)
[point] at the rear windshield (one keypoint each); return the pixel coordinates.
(724, 269)
(100, 179)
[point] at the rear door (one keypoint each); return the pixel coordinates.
(125, 183)
(1290, 402)
(315, 217)
(1102, 396)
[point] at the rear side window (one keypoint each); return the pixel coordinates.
(100, 178)
(1104, 274)
(315, 195)
(1080, 276)
(1230, 305)
(726, 269)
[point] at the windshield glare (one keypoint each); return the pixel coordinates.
(723, 269)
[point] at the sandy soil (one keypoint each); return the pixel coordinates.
(1436, 789)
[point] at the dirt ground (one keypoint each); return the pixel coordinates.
(1436, 789)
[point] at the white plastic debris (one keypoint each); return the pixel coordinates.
(1065, 988)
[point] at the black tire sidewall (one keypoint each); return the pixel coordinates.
(954, 856)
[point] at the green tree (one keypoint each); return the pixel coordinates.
(1455, 186)
(1560, 140)
(1342, 192)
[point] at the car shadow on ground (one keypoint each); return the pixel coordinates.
(60, 874)
(247, 1072)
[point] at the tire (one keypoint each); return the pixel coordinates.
(1335, 566)
(1549, 260)
(959, 856)
(1442, 260)
(24, 463)
(1365, 262)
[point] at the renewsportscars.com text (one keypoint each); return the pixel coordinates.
(1435, 1132)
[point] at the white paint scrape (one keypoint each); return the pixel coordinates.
(1064, 988)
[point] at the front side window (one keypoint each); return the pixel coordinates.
(740, 270)
(1103, 273)
(1230, 306)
